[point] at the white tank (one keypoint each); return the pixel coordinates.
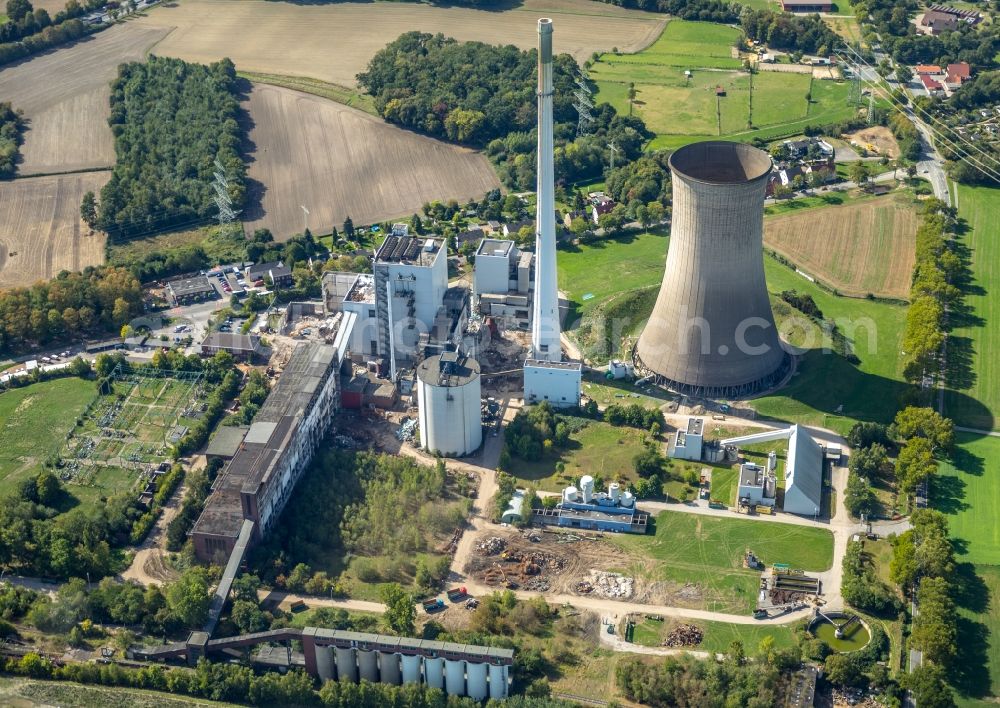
(411, 668)
(434, 672)
(628, 500)
(454, 677)
(614, 492)
(388, 668)
(587, 488)
(368, 665)
(324, 663)
(569, 494)
(449, 397)
(498, 681)
(772, 460)
(477, 689)
(347, 668)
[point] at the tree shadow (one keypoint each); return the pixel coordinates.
(967, 462)
(949, 494)
(970, 591)
(970, 671)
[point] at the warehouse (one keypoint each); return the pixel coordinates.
(258, 480)
(188, 290)
(243, 347)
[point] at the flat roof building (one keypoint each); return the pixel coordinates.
(688, 442)
(187, 290)
(558, 382)
(257, 482)
(226, 442)
(243, 347)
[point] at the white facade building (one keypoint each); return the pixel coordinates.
(557, 382)
(756, 485)
(688, 443)
(449, 398)
(495, 259)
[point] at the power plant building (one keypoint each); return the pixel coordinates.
(688, 442)
(712, 332)
(558, 382)
(502, 282)
(257, 482)
(449, 398)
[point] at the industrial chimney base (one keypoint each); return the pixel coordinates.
(746, 390)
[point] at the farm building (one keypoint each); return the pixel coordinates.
(803, 467)
(187, 290)
(243, 347)
(806, 5)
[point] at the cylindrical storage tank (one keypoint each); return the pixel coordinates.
(368, 665)
(587, 488)
(388, 667)
(477, 687)
(434, 672)
(450, 404)
(498, 681)
(712, 332)
(569, 494)
(347, 667)
(628, 499)
(411, 668)
(614, 492)
(324, 663)
(454, 677)
(772, 460)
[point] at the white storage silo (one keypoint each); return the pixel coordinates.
(434, 672)
(498, 681)
(477, 687)
(628, 500)
(324, 663)
(388, 666)
(454, 677)
(449, 397)
(587, 488)
(569, 494)
(411, 668)
(368, 665)
(347, 667)
(614, 492)
(772, 461)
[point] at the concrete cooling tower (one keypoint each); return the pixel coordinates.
(712, 332)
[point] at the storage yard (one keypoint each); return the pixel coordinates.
(338, 162)
(333, 42)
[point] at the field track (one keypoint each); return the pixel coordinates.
(860, 248)
(338, 162)
(64, 94)
(40, 228)
(334, 42)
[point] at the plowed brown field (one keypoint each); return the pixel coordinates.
(337, 162)
(860, 248)
(334, 42)
(40, 228)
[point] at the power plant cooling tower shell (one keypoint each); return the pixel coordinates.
(712, 332)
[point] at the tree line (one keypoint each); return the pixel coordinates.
(484, 96)
(171, 120)
(11, 127)
(29, 30)
(96, 301)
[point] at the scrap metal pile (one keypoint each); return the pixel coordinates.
(684, 635)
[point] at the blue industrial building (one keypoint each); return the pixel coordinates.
(584, 509)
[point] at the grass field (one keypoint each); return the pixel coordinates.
(338, 162)
(64, 94)
(341, 94)
(681, 109)
(975, 341)
(708, 552)
(35, 420)
(41, 232)
(718, 635)
(967, 489)
(867, 246)
(333, 42)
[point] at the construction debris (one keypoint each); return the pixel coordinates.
(491, 545)
(613, 585)
(684, 635)
(407, 429)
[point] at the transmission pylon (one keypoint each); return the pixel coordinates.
(223, 201)
(583, 105)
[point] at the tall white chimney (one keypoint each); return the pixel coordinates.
(545, 321)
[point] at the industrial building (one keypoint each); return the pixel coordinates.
(582, 508)
(226, 442)
(503, 282)
(257, 482)
(410, 280)
(243, 347)
(757, 486)
(329, 654)
(711, 332)
(185, 291)
(449, 399)
(687, 443)
(546, 376)
(803, 467)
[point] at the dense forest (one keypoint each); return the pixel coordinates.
(792, 33)
(29, 30)
(484, 95)
(171, 121)
(72, 305)
(11, 125)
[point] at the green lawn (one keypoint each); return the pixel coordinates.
(975, 341)
(718, 635)
(708, 552)
(35, 420)
(967, 489)
(977, 670)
